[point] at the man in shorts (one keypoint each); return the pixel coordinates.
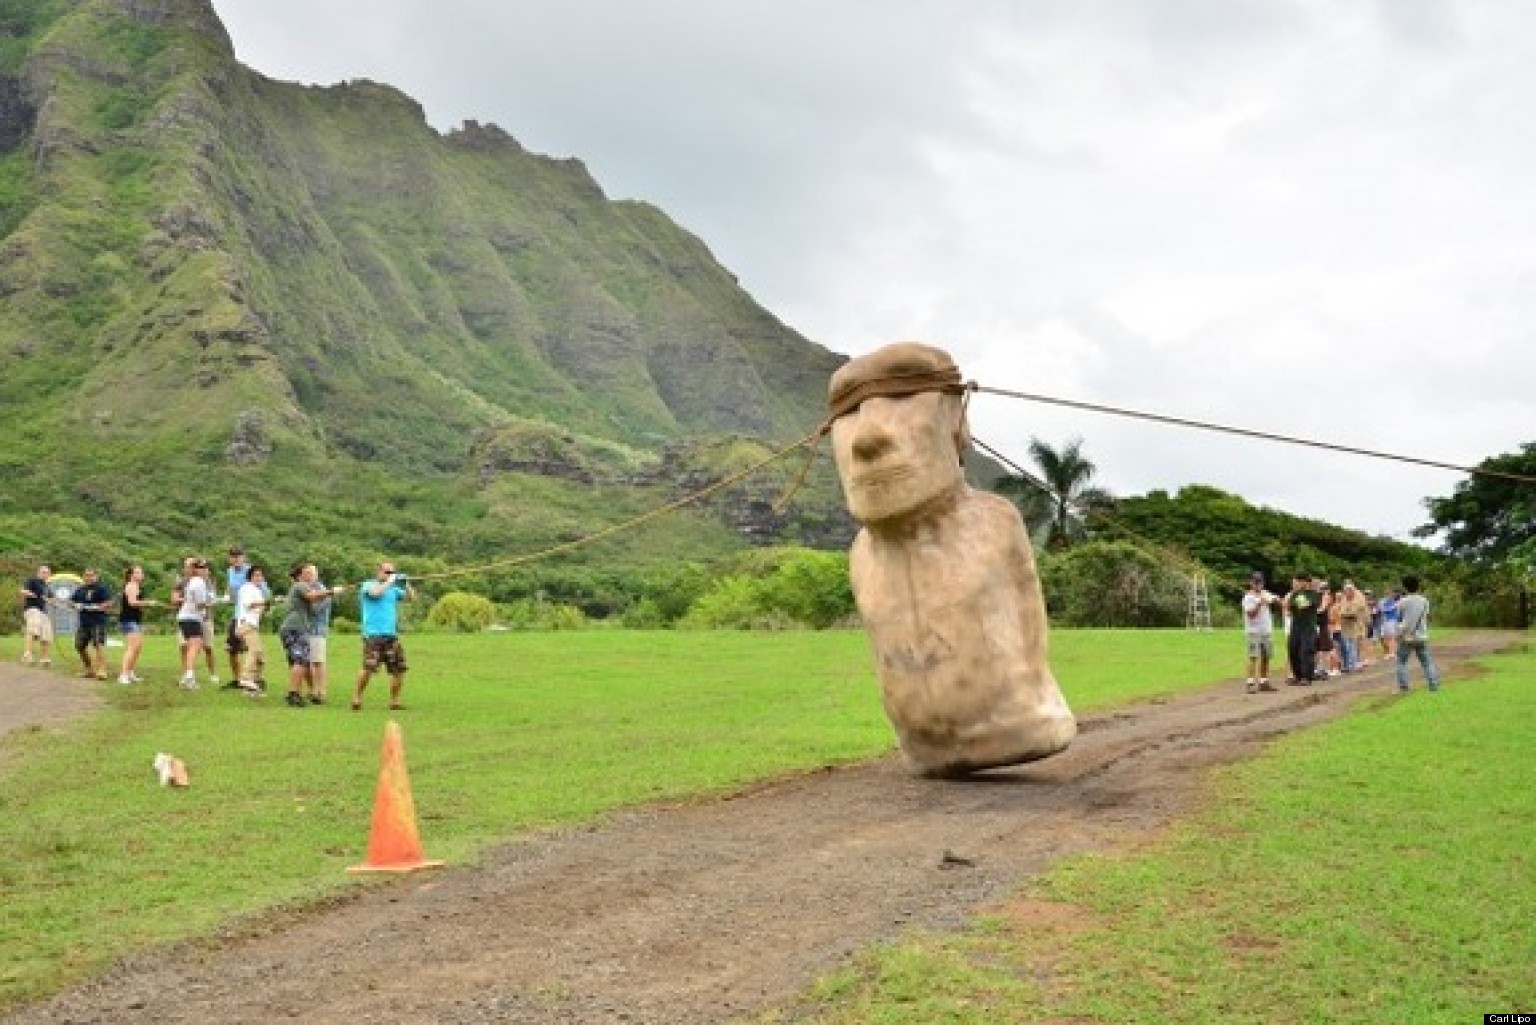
(377, 601)
(298, 627)
(39, 627)
(93, 600)
(1259, 632)
(319, 635)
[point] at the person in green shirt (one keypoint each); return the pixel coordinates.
(298, 625)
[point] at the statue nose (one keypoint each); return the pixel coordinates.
(872, 441)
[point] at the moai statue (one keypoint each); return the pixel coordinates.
(943, 574)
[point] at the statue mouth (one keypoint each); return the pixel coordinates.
(883, 476)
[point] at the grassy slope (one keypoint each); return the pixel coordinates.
(505, 733)
(203, 246)
(1376, 869)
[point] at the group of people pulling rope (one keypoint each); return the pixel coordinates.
(303, 632)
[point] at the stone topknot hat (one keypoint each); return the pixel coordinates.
(902, 368)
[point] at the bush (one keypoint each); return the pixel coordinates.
(810, 587)
(461, 612)
(1113, 583)
(736, 603)
(644, 614)
(537, 614)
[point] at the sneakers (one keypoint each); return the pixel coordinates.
(317, 699)
(1265, 685)
(125, 680)
(294, 699)
(45, 663)
(27, 658)
(1251, 687)
(189, 682)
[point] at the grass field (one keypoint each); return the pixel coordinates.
(503, 733)
(1378, 869)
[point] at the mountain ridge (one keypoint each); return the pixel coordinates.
(214, 280)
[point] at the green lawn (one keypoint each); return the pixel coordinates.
(502, 732)
(1377, 869)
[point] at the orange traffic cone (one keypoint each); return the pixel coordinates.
(393, 844)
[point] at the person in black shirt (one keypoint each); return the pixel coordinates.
(39, 628)
(93, 598)
(1302, 603)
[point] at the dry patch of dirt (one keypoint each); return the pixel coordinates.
(704, 912)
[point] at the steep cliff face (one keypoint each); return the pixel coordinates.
(202, 268)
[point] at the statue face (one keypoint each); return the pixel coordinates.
(897, 455)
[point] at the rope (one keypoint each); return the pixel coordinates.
(588, 539)
(1247, 433)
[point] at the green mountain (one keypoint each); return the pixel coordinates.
(232, 307)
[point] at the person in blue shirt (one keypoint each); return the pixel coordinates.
(94, 599)
(378, 601)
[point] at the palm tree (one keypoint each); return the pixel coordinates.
(1057, 504)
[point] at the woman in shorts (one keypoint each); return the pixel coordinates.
(196, 596)
(130, 620)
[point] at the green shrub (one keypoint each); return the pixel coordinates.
(1113, 584)
(461, 612)
(644, 614)
(537, 614)
(810, 587)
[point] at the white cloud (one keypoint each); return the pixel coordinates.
(1311, 216)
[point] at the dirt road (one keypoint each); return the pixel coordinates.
(700, 913)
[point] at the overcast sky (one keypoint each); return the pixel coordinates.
(1314, 217)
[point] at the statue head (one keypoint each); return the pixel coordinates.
(898, 430)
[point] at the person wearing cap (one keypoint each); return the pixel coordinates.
(1259, 632)
(191, 617)
(1354, 616)
(943, 574)
(377, 601)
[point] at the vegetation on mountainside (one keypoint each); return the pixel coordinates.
(300, 317)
